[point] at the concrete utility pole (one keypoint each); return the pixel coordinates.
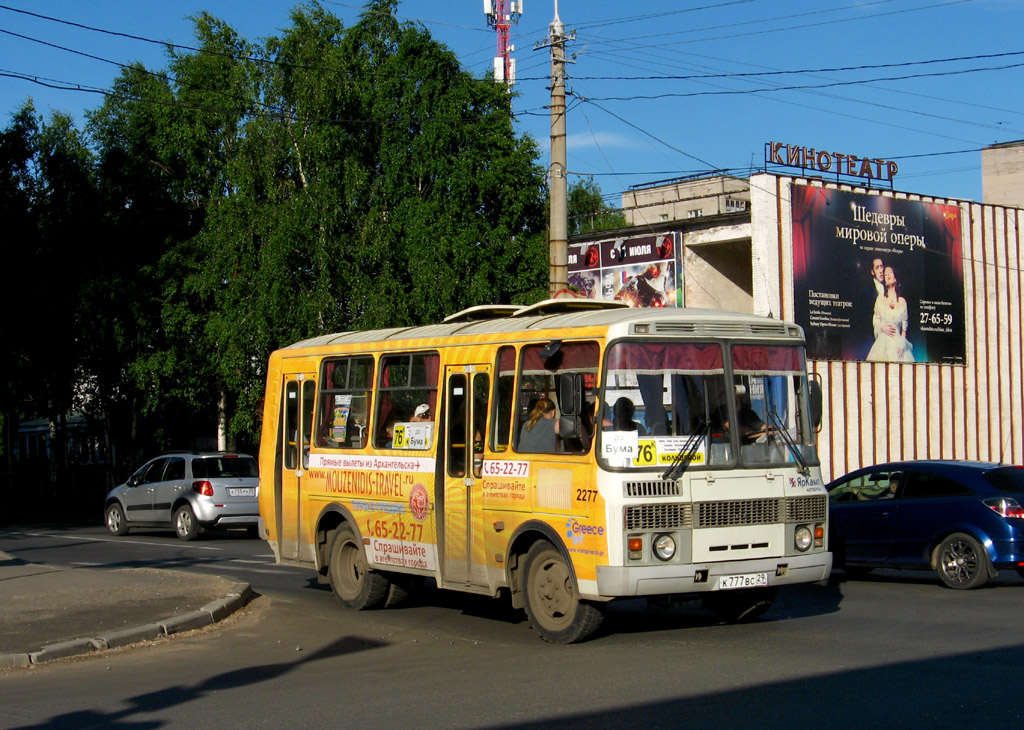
(557, 172)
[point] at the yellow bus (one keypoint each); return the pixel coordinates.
(566, 454)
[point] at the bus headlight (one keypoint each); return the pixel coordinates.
(664, 547)
(803, 538)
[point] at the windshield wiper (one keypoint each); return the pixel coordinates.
(787, 439)
(685, 456)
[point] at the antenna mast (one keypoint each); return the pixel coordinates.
(500, 15)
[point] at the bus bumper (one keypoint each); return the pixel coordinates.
(657, 580)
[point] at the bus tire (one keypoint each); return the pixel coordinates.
(740, 606)
(354, 583)
(401, 587)
(552, 602)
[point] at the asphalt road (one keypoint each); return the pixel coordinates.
(890, 650)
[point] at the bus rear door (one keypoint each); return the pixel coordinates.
(299, 394)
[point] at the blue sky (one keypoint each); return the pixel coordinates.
(659, 89)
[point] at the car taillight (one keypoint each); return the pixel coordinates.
(1005, 506)
(203, 487)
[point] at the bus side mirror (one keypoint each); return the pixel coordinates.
(814, 396)
(569, 427)
(570, 393)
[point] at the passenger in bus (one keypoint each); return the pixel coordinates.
(622, 416)
(581, 444)
(752, 427)
(389, 434)
(421, 414)
(540, 432)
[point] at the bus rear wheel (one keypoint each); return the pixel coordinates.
(552, 603)
(353, 582)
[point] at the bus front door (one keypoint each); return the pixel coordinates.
(299, 394)
(466, 393)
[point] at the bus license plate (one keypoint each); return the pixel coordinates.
(243, 492)
(745, 580)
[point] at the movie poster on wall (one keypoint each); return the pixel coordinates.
(640, 271)
(877, 278)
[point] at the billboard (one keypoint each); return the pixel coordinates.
(877, 278)
(638, 270)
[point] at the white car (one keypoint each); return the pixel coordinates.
(189, 491)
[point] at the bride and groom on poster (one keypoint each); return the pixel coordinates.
(890, 318)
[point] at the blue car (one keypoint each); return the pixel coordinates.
(962, 519)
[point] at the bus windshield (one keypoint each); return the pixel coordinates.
(666, 402)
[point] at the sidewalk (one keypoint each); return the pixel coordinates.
(49, 612)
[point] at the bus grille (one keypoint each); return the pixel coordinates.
(727, 329)
(658, 516)
(653, 488)
(806, 509)
(721, 514)
(738, 512)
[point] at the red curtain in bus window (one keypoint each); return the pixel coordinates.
(432, 364)
(767, 359)
(655, 357)
(573, 356)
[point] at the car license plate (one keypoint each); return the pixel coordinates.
(744, 580)
(243, 492)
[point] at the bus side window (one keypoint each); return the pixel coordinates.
(407, 394)
(542, 367)
(504, 397)
(344, 402)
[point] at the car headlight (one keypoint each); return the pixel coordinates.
(664, 547)
(803, 538)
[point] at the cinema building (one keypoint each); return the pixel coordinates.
(936, 376)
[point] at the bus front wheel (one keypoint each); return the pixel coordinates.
(353, 582)
(552, 603)
(740, 606)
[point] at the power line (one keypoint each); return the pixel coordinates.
(835, 69)
(826, 85)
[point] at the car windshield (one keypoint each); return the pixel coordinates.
(212, 467)
(1007, 479)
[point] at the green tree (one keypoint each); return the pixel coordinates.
(587, 210)
(49, 204)
(377, 185)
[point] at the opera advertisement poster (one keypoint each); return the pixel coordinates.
(638, 270)
(877, 278)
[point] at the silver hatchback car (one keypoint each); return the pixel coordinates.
(189, 491)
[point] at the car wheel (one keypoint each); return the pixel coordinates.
(552, 603)
(961, 562)
(734, 607)
(355, 584)
(116, 522)
(185, 525)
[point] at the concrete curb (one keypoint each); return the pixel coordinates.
(238, 595)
